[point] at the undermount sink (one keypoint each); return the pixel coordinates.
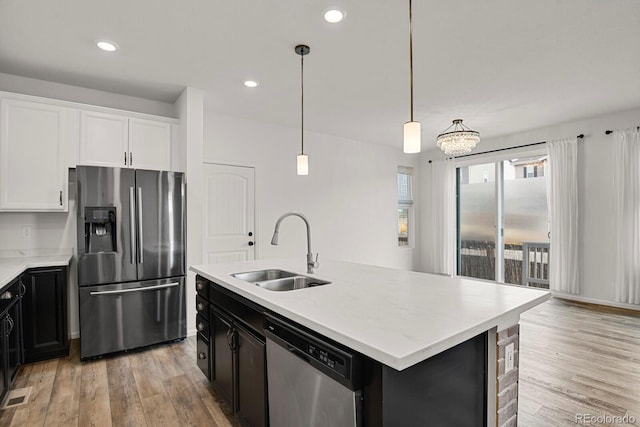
(262, 275)
(279, 280)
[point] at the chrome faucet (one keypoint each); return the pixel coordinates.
(311, 264)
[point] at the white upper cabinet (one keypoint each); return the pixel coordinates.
(33, 169)
(120, 141)
(104, 139)
(149, 144)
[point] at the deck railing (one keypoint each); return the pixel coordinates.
(535, 264)
(526, 264)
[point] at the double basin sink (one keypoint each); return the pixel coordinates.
(279, 280)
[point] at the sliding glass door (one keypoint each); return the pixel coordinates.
(503, 221)
(476, 221)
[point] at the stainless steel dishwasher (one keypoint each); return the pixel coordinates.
(311, 382)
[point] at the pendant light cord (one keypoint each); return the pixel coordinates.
(411, 55)
(302, 102)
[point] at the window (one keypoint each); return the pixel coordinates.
(405, 201)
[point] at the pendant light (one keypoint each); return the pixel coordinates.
(459, 140)
(302, 159)
(412, 131)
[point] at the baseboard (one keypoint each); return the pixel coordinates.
(578, 298)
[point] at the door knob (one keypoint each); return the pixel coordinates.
(250, 243)
(250, 233)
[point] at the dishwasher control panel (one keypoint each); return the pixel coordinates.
(328, 358)
(333, 359)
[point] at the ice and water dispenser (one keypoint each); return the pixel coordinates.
(100, 229)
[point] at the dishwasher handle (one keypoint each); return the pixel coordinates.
(299, 353)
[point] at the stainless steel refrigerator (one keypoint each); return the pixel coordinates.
(131, 258)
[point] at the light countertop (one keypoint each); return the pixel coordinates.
(10, 268)
(396, 317)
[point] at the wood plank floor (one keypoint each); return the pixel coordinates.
(578, 359)
(574, 359)
(160, 386)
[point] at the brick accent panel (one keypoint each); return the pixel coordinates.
(507, 383)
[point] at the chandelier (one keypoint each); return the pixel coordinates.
(458, 139)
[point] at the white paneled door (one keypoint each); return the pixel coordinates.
(229, 214)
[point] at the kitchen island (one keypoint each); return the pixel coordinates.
(399, 321)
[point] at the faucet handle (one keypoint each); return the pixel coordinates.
(316, 264)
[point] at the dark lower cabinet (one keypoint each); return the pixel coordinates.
(237, 353)
(251, 406)
(203, 358)
(10, 335)
(223, 356)
(45, 314)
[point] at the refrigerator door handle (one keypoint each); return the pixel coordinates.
(140, 241)
(132, 224)
(123, 291)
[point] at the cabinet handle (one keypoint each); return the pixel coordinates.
(202, 356)
(23, 289)
(130, 158)
(125, 158)
(60, 197)
(232, 338)
(200, 306)
(200, 286)
(11, 324)
(200, 327)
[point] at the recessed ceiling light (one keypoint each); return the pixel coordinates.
(333, 16)
(251, 83)
(108, 46)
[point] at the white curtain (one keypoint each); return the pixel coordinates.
(440, 257)
(562, 197)
(626, 215)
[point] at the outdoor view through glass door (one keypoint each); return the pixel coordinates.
(504, 205)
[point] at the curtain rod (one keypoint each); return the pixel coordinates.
(609, 132)
(508, 148)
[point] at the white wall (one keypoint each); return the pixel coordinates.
(349, 196)
(190, 107)
(595, 166)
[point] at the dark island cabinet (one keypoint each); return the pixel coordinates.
(235, 336)
(252, 393)
(44, 314)
(224, 363)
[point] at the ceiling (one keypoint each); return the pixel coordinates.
(501, 65)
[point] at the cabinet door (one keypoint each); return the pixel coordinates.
(252, 380)
(224, 364)
(4, 377)
(202, 348)
(44, 314)
(150, 144)
(103, 140)
(33, 172)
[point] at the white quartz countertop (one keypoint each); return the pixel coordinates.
(10, 268)
(396, 317)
